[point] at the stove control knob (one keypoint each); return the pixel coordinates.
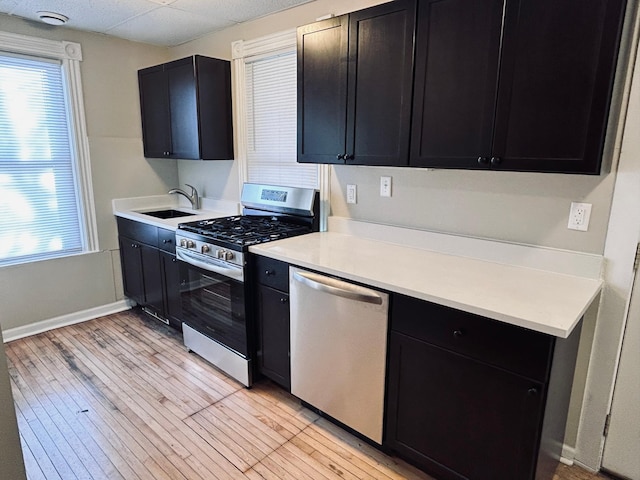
(183, 242)
(190, 244)
(205, 249)
(224, 255)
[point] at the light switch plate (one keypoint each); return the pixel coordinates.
(352, 194)
(385, 186)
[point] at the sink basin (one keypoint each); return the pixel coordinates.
(170, 213)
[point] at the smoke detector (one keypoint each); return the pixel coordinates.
(52, 18)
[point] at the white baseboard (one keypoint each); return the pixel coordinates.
(64, 320)
(568, 455)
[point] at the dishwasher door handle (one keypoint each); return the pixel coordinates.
(337, 287)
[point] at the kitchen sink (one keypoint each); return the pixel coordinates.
(170, 213)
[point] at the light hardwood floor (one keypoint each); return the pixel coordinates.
(119, 397)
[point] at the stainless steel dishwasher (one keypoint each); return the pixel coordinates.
(339, 348)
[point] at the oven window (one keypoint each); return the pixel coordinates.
(213, 305)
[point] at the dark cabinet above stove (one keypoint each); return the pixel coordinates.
(186, 109)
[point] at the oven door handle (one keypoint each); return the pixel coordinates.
(231, 272)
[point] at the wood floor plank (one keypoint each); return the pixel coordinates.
(132, 425)
(145, 362)
(47, 468)
(344, 469)
(101, 415)
(151, 414)
(73, 414)
(142, 369)
(392, 467)
(172, 346)
(121, 398)
(45, 423)
(58, 407)
(144, 407)
(267, 424)
(31, 464)
(290, 454)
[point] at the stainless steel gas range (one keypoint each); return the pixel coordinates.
(216, 291)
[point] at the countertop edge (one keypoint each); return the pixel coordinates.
(569, 323)
(134, 208)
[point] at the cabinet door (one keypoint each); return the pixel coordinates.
(457, 53)
(380, 81)
(152, 278)
(214, 108)
(322, 91)
(182, 107)
(274, 335)
(131, 262)
(154, 107)
(458, 418)
(171, 278)
(558, 64)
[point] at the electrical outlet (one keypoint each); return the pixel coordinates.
(579, 216)
(352, 194)
(385, 186)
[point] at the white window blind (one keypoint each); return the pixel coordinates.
(271, 121)
(40, 212)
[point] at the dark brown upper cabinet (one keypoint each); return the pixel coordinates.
(521, 85)
(354, 87)
(186, 109)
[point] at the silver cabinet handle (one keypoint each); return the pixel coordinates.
(337, 287)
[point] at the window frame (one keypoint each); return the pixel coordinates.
(244, 51)
(69, 54)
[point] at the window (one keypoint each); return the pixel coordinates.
(46, 209)
(266, 85)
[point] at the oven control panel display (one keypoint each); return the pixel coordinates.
(274, 195)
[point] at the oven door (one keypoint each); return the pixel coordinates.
(214, 305)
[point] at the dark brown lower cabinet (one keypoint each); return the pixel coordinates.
(472, 398)
(150, 270)
(171, 289)
(273, 336)
(273, 319)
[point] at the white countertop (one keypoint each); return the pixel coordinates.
(135, 208)
(540, 300)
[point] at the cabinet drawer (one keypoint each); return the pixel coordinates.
(141, 232)
(510, 347)
(167, 240)
(272, 273)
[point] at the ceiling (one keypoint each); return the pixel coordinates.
(159, 22)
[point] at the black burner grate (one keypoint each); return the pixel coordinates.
(245, 230)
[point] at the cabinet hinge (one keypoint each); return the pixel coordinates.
(636, 262)
(606, 425)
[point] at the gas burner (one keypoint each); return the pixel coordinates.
(245, 230)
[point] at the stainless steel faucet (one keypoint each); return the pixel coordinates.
(193, 198)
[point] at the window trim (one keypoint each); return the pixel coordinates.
(246, 50)
(70, 56)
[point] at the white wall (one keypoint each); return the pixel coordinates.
(43, 290)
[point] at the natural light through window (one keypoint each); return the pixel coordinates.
(40, 214)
